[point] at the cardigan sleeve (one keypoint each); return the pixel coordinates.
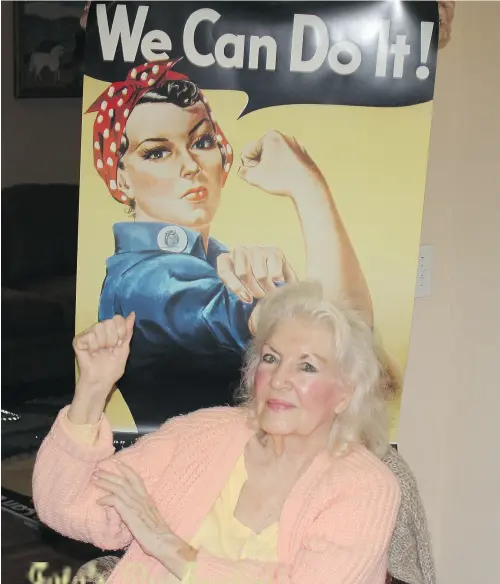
(346, 544)
(86, 433)
(64, 495)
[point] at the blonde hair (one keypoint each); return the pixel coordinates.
(364, 421)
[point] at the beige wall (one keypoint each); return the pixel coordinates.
(450, 420)
(40, 137)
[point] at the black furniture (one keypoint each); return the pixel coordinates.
(39, 253)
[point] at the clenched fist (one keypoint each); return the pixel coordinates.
(278, 164)
(102, 352)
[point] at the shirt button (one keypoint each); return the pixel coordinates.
(172, 239)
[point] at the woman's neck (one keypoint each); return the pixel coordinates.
(293, 447)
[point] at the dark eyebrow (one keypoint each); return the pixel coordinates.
(196, 126)
(152, 140)
(192, 131)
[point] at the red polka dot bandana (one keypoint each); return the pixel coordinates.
(113, 108)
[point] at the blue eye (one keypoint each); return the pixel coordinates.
(268, 358)
(205, 142)
(308, 368)
(155, 154)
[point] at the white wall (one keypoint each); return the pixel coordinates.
(450, 419)
(40, 137)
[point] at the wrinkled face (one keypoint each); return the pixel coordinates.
(173, 166)
(296, 384)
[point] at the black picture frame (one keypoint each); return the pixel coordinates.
(48, 49)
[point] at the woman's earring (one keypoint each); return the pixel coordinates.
(130, 206)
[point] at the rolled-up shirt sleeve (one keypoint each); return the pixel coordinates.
(182, 297)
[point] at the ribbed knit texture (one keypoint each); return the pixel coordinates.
(410, 552)
(335, 526)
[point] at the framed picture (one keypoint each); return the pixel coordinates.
(48, 49)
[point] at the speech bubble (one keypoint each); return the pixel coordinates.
(368, 54)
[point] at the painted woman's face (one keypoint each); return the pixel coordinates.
(173, 165)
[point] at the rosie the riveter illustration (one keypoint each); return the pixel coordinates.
(161, 153)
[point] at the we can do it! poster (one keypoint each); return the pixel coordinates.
(229, 147)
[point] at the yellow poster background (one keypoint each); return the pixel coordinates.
(375, 162)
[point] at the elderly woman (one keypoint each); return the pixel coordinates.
(286, 488)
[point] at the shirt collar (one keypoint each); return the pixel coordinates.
(167, 237)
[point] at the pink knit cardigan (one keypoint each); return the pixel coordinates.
(335, 527)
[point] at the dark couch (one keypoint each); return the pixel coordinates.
(39, 252)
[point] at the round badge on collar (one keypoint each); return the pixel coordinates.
(173, 239)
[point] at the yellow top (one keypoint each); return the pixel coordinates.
(220, 534)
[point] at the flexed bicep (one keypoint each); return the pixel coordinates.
(279, 165)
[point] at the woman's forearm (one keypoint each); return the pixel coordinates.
(64, 494)
(331, 258)
(87, 406)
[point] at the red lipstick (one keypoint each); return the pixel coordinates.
(196, 194)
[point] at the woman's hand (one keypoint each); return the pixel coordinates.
(128, 495)
(102, 352)
(252, 272)
(278, 164)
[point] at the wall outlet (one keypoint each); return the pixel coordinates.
(423, 286)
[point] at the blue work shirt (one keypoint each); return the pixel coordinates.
(190, 329)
